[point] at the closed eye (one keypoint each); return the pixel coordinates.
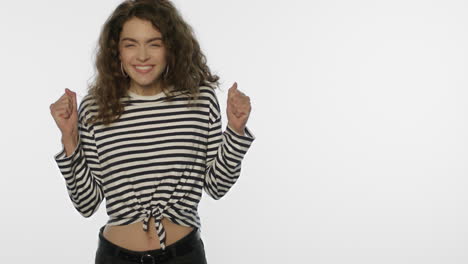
(155, 45)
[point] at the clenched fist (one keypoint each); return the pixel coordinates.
(238, 109)
(65, 113)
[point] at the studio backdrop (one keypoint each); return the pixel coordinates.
(359, 109)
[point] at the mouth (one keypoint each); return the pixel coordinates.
(143, 69)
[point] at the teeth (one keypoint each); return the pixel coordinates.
(144, 68)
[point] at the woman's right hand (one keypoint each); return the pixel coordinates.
(65, 113)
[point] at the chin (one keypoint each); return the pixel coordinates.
(145, 83)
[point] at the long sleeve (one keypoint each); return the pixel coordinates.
(225, 153)
(81, 170)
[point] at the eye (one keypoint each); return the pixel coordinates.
(156, 45)
(129, 45)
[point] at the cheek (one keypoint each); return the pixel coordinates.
(126, 54)
(159, 55)
(125, 57)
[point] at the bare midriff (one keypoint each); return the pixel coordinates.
(133, 237)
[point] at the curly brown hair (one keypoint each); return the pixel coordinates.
(187, 63)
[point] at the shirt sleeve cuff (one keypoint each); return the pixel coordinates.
(62, 155)
(248, 135)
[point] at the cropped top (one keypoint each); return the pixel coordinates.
(154, 161)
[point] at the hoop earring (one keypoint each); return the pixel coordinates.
(123, 72)
(167, 71)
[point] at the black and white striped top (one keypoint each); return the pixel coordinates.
(154, 160)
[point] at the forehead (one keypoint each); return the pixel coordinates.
(137, 28)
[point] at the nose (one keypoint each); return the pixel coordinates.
(142, 54)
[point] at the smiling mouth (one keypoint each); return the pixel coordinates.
(143, 69)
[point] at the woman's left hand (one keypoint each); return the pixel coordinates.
(238, 109)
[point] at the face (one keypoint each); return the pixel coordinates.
(142, 54)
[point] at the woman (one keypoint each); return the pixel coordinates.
(147, 137)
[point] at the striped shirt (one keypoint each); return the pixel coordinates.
(154, 160)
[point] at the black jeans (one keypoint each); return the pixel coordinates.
(192, 243)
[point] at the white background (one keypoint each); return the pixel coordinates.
(359, 109)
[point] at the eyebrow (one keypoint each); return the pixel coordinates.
(148, 41)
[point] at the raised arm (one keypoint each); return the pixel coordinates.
(226, 151)
(81, 170)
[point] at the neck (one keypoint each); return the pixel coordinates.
(145, 90)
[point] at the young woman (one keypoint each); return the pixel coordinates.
(147, 137)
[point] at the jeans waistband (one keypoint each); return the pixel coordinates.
(180, 247)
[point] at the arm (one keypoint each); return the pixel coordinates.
(225, 153)
(81, 169)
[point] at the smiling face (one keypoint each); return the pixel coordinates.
(143, 56)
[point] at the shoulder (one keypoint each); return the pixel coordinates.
(207, 90)
(87, 107)
(208, 93)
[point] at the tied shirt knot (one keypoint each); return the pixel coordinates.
(158, 216)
